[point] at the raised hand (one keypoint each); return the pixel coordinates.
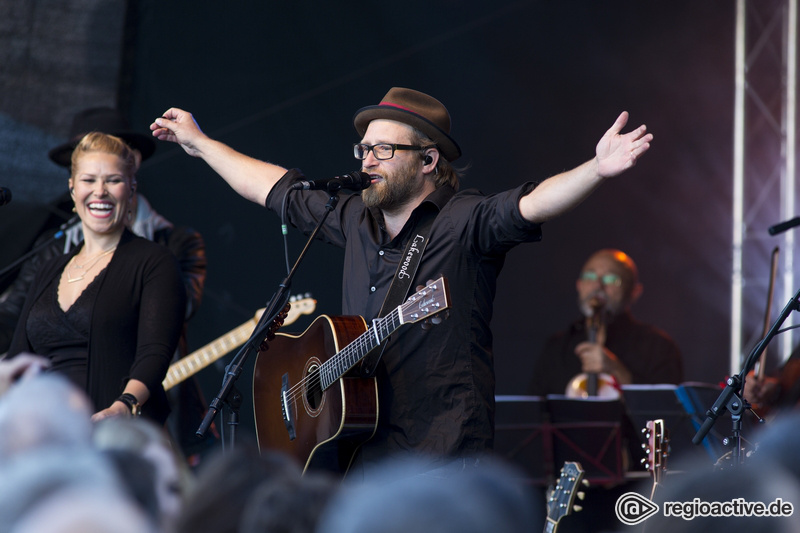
(178, 126)
(618, 152)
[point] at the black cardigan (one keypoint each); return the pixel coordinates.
(136, 321)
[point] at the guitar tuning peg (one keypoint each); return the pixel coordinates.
(644, 446)
(585, 482)
(577, 508)
(581, 495)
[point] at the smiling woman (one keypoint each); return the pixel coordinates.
(108, 315)
(102, 185)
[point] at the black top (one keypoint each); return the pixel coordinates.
(185, 243)
(136, 319)
(649, 353)
(437, 389)
(62, 336)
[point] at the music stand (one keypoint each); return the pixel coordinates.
(590, 431)
(677, 407)
(522, 436)
(539, 434)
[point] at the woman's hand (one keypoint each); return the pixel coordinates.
(116, 409)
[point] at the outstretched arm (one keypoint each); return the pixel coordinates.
(615, 153)
(251, 178)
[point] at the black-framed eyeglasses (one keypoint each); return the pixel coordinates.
(381, 151)
(609, 279)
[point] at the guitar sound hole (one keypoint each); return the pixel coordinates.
(314, 389)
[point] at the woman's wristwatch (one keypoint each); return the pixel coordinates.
(133, 404)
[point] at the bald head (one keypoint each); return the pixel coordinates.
(610, 276)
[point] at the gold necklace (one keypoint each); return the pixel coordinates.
(86, 267)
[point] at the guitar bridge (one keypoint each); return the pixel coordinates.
(288, 420)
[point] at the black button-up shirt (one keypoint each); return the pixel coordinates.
(649, 353)
(436, 391)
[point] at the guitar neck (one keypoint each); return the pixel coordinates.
(200, 359)
(562, 500)
(193, 363)
(657, 451)
(428, 301)
(338, 365)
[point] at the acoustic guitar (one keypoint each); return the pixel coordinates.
(306, 401)
(561, 501)
(196, 361)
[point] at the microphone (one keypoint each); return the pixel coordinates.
(597, 305)
(354, 181)
(783, 226)
(5, 196)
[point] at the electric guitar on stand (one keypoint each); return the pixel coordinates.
(561, 500)
(198, 360)
(305, 400)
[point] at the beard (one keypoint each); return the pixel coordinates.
(599, 302)
(397, 188)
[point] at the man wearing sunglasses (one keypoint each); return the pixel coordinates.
(607, 339)
(436, 385)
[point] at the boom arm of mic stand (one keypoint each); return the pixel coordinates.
(729, 397)
(279, 299)
(60, 233)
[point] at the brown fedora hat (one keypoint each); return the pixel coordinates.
(418, 110)
(105, 120)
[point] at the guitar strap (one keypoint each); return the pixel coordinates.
(398, 290)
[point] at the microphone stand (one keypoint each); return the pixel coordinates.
(234, 369)
(730, 398)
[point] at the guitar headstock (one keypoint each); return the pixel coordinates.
(277, 322)
(300, 306)
(433, 298)
(656, 448)
(295, 307)
(561, 501)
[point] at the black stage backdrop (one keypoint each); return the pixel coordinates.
(531, 87)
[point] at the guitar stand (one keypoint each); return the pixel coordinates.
(730, 399)
(228, 393)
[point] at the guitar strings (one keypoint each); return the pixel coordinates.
(316, 377)
(362, 341)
